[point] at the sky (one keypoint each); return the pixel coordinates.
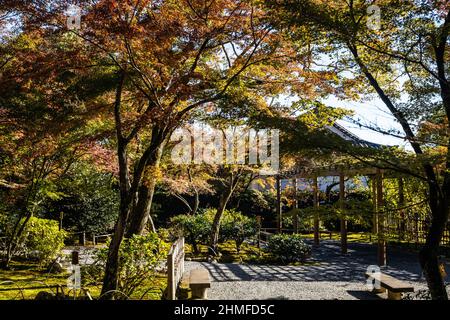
(370, 112)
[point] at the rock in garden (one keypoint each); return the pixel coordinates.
(44, 295)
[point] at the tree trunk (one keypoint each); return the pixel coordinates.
(196, 202)
(140, 215)
(9, 247)
(26, 213)
(429, 253)
(110, 281)
(215, 230)
(14, 239)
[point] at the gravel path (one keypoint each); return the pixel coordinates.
(333, 276)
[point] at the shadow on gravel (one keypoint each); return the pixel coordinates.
(364, 295)
(331, 266)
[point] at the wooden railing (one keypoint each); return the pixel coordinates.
(175, 268)
(82, 237)
(412, 230)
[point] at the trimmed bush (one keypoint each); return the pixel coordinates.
(42, 239)
(237, 227)
(288, 248)
(196, 229)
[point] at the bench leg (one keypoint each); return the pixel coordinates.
(199, 293)
(380, 290)
(394, 295)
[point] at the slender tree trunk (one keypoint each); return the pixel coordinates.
(14, 239)
(141, 212)
(429, 253)
(215, 231)
(135, 209)
(110, 280)
(140, 215)
(194, 209)
(10, 245)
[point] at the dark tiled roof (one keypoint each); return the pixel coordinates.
(347, 135)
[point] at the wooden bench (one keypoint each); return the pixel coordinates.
(199, 282)
(394, 286)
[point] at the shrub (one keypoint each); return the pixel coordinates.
(288, 248)
(196, 229)
(89, 200)
(42, 239)
(237, 227)
(140, 259)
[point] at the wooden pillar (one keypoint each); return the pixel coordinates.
(93, 239)
(259, 222)
(381, 218)
(343, 220)
(316, 211)
(295, 220)
(375, 209)
(279, 210)
(75, 258)
(82, 239)
(401, 204)
(61, 217)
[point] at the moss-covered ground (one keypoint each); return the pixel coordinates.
(24, 280)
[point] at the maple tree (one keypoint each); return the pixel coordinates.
(45, 126)
(153, 64)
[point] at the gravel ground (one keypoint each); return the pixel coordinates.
(333, 276)
(86, 254)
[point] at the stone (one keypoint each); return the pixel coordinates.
(44, 295)
(56, 267)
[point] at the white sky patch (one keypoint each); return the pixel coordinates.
(370, 112)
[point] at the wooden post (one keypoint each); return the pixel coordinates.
(416, 228)
(343, 220)
(61, 217)
(82, 239)
(279, 210)
(171, 288)
(380, 213)
(375, 209)
(259, 222)
(294, 181)
(401, 204)
(75, 258)
(175, 268)
(316, 212)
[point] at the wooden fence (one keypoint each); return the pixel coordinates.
(413, 230)
(264, 234)
(175, 268)
(83, 237)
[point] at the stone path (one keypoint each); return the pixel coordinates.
(332, 276)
